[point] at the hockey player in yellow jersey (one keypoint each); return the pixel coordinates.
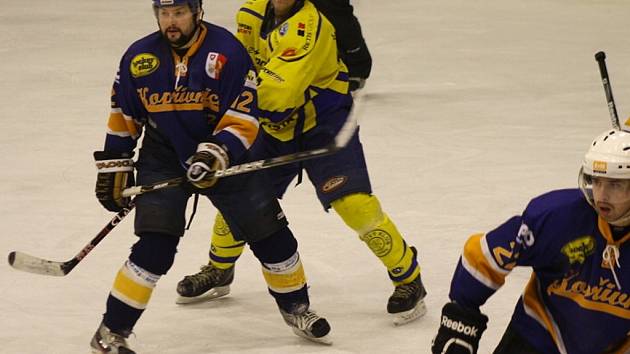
(304, 100)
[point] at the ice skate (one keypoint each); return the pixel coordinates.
(407, 302)
(108, 342)
(307, 324)
(210, 283)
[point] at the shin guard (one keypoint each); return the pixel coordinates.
(362, 212)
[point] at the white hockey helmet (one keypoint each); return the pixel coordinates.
(608, 156)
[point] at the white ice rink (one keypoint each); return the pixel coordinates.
(473, 108)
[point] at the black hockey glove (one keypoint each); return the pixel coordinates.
(359, 63)
(115, 173)
(209, 157)
(460, 330)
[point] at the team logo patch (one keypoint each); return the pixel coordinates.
(301, 28)
(252, 79)
(379, 241)
(221, 228)
(283, 28)
(214, 65)
(600, 166)
(244, 29)
(334, 183)
(143, 64)
(289, 52)
(578, 249)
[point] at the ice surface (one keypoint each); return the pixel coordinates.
(473, 108)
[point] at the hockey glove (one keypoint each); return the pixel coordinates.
(359, 63)
(209, 157)
(355, 83)
(115, 173)
(460, 330)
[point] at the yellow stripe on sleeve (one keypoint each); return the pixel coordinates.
(477, 263)
(242, 126)
(121, 125)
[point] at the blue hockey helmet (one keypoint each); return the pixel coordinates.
(195, 5)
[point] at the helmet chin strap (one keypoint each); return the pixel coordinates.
(622, 221)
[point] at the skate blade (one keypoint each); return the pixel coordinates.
(321, 340)
(211, 294)
(405, 317)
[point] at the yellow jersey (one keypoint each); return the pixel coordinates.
(300, 74)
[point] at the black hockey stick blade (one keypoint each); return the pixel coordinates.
(27, 263)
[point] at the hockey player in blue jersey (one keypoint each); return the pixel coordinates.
(576, 241)
(190, 89)
(304, 99)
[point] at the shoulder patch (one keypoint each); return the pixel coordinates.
(251, 80)
(214, 64)
(578, 249)
(283, 28)
(244, 28)
(143, 64)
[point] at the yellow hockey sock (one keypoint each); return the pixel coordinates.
(224, 249)
(285, 277)
(362, 212)
(134, 285)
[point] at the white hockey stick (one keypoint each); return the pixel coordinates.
(27, 263)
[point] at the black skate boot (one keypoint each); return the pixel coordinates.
(108, 342)
(210, 283)
(307, 324)
(407, 301)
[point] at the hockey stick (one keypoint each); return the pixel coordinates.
(612, 108)
(340, 141)
(32, 264)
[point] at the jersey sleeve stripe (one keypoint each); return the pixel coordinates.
(121, 125)
(252, 12)
(478, 275)
(476, 263)
(242, 126)
(485, 249)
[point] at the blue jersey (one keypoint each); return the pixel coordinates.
(210, 91)
(578, 299)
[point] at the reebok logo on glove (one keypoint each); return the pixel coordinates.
(460, 327)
